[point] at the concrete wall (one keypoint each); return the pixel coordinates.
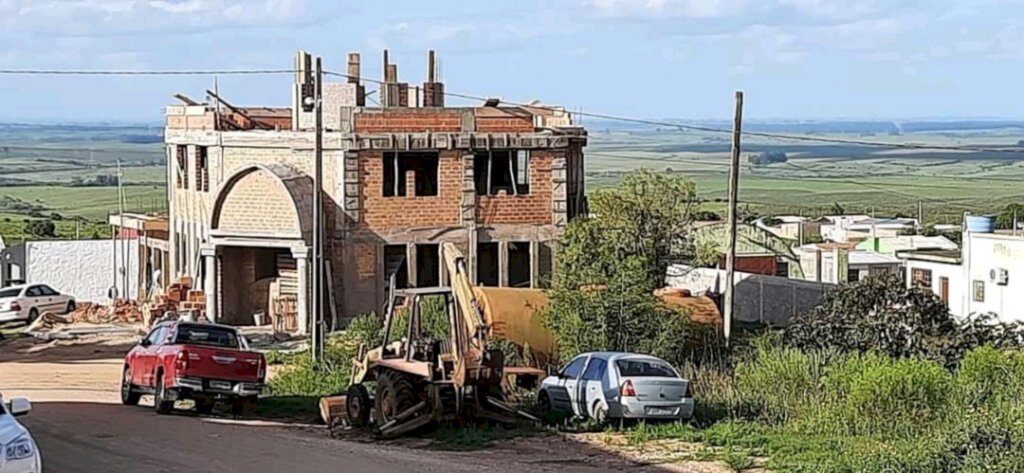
(82, 268)
(769, 300)
(958, 289)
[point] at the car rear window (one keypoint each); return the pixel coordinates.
(9, 292)
(207, 336)
(645, 368)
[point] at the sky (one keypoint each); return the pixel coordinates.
(794, 59)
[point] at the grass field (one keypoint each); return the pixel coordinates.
(860, 179)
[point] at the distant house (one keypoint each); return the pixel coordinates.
(892, 245)
(758, 251)
(845, 228)
(791, 227)
(838, 263)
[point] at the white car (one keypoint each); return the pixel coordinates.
(27, 301)
(613, 385)
(19, 451)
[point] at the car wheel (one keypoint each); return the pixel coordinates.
(357, 406)
(71, 307)
(204, 405)
(160, 402)
(600, 413)
(33, 314)
(129, 396)
(547, 412)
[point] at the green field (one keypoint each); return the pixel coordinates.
(42, 169)
(859, 179)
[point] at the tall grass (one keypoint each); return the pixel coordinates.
(811, 411)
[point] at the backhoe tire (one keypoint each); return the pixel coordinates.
(394, 395)
(358, 405)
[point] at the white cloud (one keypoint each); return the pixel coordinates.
(662, 8)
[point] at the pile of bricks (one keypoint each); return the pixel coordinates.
(179, 297)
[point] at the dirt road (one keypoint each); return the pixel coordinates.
(81, 428)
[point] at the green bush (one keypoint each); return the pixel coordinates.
(905, 396)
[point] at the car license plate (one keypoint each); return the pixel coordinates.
(225, 385)
(661, 411)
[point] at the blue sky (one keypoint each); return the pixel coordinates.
(646, 58)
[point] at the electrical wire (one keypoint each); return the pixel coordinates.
(200, 72)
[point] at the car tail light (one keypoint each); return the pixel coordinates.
(626, 390)
(15, 306)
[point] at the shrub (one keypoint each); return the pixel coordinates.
(881, 313)
(906, 396)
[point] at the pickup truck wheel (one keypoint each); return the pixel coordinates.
(204, 405)
(357, 406)
(240, 405)
(129, 396)
(160, 403)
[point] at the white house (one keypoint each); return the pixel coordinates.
(986, 276)
(845, 228)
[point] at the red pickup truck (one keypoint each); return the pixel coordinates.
(202, 362)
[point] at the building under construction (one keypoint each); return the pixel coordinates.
(399, 178)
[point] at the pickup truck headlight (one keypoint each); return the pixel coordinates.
(20, 448)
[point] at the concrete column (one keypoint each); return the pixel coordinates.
(410, 264)
(302, 307)
(502, 264)
(210, 285)
(534, 264)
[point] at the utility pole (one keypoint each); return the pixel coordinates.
(317, 266)
(120, 230)
(734, 186)
(920, 216)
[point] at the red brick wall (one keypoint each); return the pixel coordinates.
(399, 121)
(535, 207)
(507, 124)
(381, 213)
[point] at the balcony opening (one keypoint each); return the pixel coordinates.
(519, 264)
(428, 265)
(395, 262)
(487, 264)
(420, 168)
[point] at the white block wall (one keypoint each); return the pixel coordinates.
(83, 269)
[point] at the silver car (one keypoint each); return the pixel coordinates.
(613, 385)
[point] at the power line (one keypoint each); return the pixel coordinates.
(199, 72)
(707, 129)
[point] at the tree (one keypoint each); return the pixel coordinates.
(41, 228)
(611, 262)
(881, 313)
(1004, 219)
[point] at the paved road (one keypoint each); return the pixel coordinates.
(94, 437)
(81, 428)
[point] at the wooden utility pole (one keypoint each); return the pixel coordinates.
(120, 230)
(317, 267)
(734, 190)
(920, 216)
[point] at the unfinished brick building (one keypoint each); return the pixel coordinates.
(398, 179)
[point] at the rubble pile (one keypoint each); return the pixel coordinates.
(121, 311)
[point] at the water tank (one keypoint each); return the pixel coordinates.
(980, 223)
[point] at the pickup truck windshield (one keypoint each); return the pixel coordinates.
(207, 336)
(645, 368)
